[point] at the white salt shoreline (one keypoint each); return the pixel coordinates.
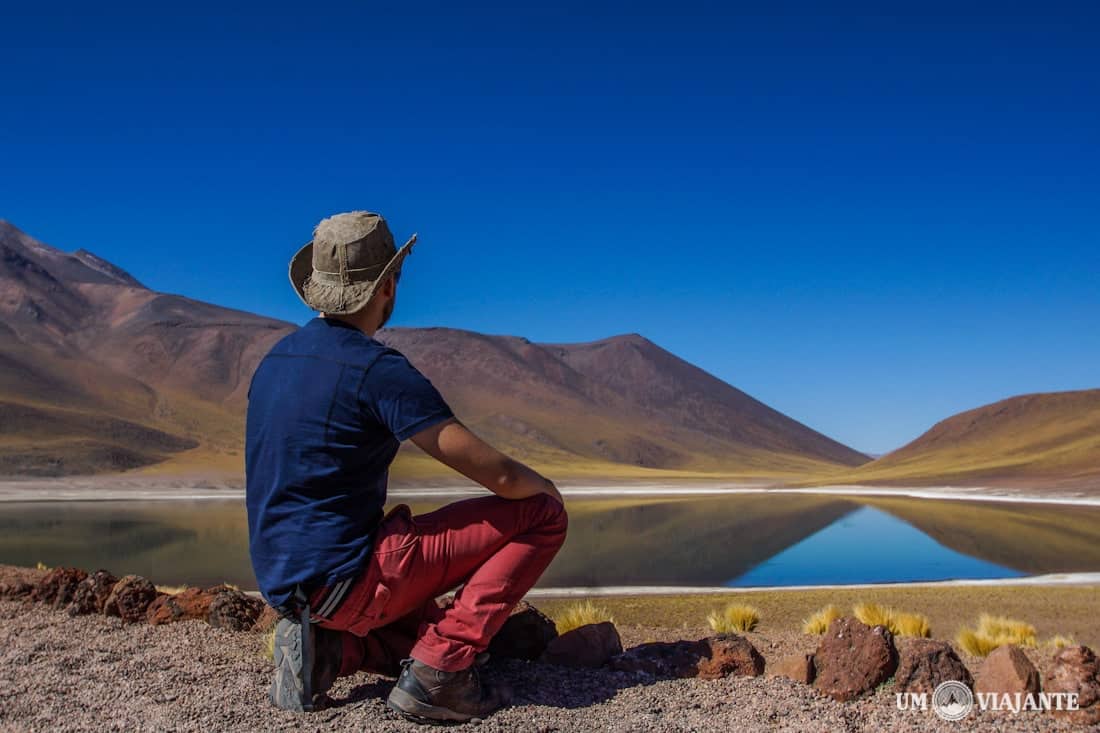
(676, 590)
(20, 491)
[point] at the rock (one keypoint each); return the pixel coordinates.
(267, 619)
(16, 589)
(1077, 670)
(730, 654)
(525, 635)
(853, 659)
(91, 593)
(190, 604)
(923, 664)
(130, 598)
(58, 586)
(798, 667)
(1007, 670)
(710, 658)
(591, 645)
(231, 609)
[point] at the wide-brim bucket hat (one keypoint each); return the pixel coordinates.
(349, 256)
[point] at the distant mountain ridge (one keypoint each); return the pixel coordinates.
(1035, 440)
(99, 373)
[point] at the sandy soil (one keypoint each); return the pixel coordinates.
(96, 673)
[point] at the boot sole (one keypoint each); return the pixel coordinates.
(421, 712)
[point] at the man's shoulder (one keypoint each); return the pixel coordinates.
(317, 340)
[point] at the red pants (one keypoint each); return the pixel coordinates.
(496, 548)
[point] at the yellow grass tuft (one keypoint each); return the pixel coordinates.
(171, 589)
(900, 623)
(818, 622)
(1017, 632)
(580, 614)
(1061, 642)
(42, 566)
(911, 624)
(734, 617)
(995, 631)
(872, 614)
(269, 644)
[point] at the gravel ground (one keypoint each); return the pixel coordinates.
(96, 673)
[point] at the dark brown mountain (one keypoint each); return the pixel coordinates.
(99, 373)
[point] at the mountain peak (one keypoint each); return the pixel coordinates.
(78, 267)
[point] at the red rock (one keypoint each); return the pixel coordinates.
(1007, 670)
(1077, 670)
(591, 645)
(190, 604)
(525, 635)
(710, 658)
(798, 667)
(92, 593)
(130, 598)
(923, 664)
(58, 586)
(231, 609)
(853, 659)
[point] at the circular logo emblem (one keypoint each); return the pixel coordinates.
(952, 700)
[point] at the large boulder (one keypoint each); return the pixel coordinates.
(58, 586)
(923, 664)
(525, 635)
(798, 667)
(853, 659)
(1077, 670)
(231, 609)
(1007, 670)
(591, 645)
(710, 658)
(130, 598)
(91, 593)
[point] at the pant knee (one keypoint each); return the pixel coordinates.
(553, 515)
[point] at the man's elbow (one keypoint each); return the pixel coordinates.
(506, 478)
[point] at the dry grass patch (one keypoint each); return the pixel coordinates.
(1061, 642)
(580, 614)
(900, 623)
(171, 589)
(734, 617)
(818, 622)
(994, 631)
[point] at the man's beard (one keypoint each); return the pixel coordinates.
(386, 313)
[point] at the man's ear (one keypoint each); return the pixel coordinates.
(389, 288)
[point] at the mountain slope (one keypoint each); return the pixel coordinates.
(1050, 439)
(97, 372)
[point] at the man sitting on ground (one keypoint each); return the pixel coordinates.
(328, 407)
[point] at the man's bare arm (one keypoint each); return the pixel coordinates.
(451, 443)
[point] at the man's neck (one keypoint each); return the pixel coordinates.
(369, 328)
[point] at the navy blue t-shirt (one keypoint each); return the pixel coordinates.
(327, 409)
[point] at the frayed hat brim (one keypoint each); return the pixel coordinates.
(337, 298)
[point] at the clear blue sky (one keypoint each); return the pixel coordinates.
(868, 216)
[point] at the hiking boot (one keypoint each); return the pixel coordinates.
(425, 694)
(304, 672)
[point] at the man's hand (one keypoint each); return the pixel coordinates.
(451, 443)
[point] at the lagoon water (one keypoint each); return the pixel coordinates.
(752, 540)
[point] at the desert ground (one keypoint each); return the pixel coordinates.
(97, 673)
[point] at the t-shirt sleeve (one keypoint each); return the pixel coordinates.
(399, 397)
